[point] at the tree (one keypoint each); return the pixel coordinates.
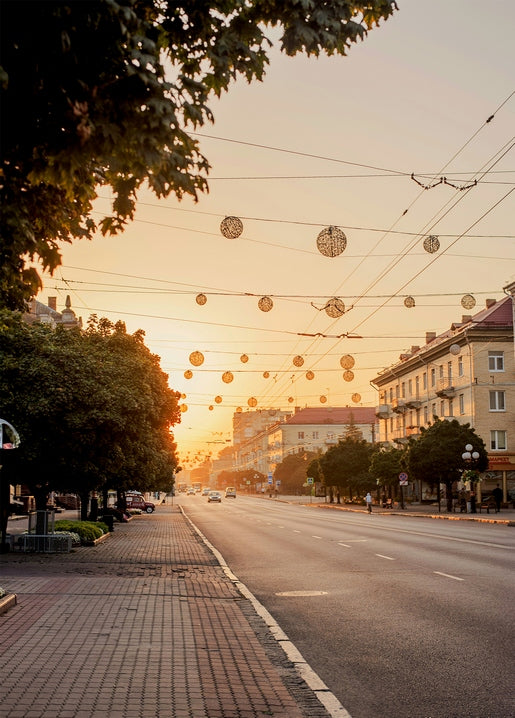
(93, 408)
(102, 93)
(436, 456)
(386, 465)
(346, 465)
(292, 471)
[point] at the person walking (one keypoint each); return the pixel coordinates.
(368, 499)
(497, 494)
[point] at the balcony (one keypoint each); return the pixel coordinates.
(445, 389)
(399, 406)
(383, 411)
(414, 403)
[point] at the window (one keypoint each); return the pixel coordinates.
(433, 377)
(417, 387)
(391, 395)
(433, 410)
(495, 361)
(451, 407)
(300, 435)
(498, 440)
(440, 371)
(497, 402)
(424, 380)
(315, 435)
(425, 415)
(449, 371)
(460, 366)
(403, 389)
(410, 387)
(397, 391)
(461, 401)
(442, 408)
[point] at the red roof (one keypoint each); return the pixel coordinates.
(334, 415)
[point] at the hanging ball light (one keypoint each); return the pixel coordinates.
(409, 302)
(431, 244)
(231, 227)
(210, 407)
(188, 374)
(323, 399)
(183, 396)
(310, 375)
(196, 358)
(298, 360)
(218, 399)
(468, 301)
(201, 299)
(239, 409)
(335, 308)
(252, 401)
(347, 361)
(290, 400)
(331, 242)
(266, 374)
(227, 377)
(455, 349)
(183, 408)
(348, 375)
(356, 398)
(265, 304)
(244, 358)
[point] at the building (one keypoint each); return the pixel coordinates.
(467, 373)
(309, 429)
(48, 314)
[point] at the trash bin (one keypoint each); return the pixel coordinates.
(109, 521)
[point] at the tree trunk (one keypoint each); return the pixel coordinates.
(84, 501)
(448, 494)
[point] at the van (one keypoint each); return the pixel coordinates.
(230, 492)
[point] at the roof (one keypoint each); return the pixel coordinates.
(334, 415)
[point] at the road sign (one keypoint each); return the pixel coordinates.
(310, 479)
(278, 483)
(270, 479)
(403, 478)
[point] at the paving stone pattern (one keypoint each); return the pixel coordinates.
(145, 624)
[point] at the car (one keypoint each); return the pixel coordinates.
(206, 492)
(230, 492)
(214, 496)
(191, 492)
(136, 501)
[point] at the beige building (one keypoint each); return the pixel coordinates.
(467, 373)
(48, 314)
(309, 429)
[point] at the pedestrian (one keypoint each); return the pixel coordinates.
(497, 494)
(368, 499)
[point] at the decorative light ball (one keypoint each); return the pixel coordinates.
(348, 375)
(331, 242)
(210, 407)
(227, 377)
(455, 349)
(298, 360)
(310, 375)
(347, 361)
(218, 399)
(265, 304)
(239, 409)
(183, 396)
(356, 398)
(231, 227)
(252, 401)
(431, 244)
(244, 358)
(196, 358)
(266, 374)
(201, 299)
(188, 374)
(323, 399)
(409, 302)
(468, 301)
(290, 400)
(183, 408)
(335, 308)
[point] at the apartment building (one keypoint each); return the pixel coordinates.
(467, 373)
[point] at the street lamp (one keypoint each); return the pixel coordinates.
(469, 457)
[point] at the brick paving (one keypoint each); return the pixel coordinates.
(143, 625)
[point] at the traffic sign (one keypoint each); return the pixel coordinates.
(310, 479)
(403, 478)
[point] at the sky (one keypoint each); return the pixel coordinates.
(360, 143)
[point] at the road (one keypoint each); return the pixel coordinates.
(401, 617)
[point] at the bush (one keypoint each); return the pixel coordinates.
(87, 530)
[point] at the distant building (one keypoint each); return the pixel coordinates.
(48, 314)
(467, 373)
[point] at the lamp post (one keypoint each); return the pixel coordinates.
(470, 457)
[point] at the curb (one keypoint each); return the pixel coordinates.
(7, 602)
(390, 512)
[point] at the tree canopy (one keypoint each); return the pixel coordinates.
(346, 465)
(100, 93)
(92, 408)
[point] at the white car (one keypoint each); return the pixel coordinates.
(214, 496)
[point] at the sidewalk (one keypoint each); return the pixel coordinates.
(146, 624)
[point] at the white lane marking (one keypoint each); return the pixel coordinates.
(448, 575)
(343, 544)
(296, 531)
(318, 537)
(388, 558)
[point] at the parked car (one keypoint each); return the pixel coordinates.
(214, 496)
(230, 492)
(136, 501)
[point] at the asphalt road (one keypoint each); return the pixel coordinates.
(401, 617)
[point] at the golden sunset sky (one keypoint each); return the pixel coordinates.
(324, 142)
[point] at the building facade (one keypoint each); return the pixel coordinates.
(467, 373)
